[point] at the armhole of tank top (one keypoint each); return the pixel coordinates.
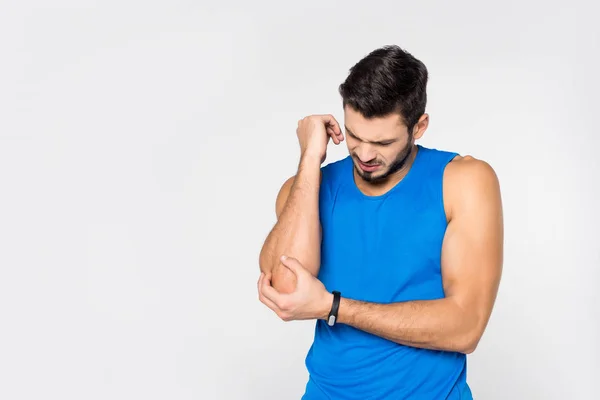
(336, 176)
(325, 189)
(442, 202)
(325, 184)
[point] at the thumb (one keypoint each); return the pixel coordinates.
(293, 264)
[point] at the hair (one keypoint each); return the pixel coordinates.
(386, 81)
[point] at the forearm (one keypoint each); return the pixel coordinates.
(432, 324)
(297, 232)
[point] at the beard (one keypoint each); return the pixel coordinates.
(397, 164)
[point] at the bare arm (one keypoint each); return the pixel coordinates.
(297, 232)
(471, 269)
(298, 228)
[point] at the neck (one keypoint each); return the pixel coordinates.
(381, 187)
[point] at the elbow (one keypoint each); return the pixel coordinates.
(282, 279)
(266, 261)
(470, 341)
(468, 349)
(263, 262)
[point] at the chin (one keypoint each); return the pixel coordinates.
(372, 177)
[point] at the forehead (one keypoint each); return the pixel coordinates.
(388, 127)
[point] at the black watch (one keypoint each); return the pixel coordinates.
(332, 317)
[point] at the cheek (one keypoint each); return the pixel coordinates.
(388, 155)
(395, 152)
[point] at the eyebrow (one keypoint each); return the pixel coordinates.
(376, 142)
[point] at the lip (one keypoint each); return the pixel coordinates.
(368, 168)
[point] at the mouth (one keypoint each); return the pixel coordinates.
(368, 167)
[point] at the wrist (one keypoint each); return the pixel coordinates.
(311, 159)
(327, 303)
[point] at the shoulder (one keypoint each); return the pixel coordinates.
(465, 169)
(469, 183)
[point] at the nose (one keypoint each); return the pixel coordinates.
(366, 153)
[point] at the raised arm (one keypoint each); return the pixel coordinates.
(297, 231)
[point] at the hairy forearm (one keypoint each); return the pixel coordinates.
(297, 232)
(432, 324)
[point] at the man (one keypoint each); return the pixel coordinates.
(395, 250)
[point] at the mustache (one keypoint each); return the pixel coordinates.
(370, 164)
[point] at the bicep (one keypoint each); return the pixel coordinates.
(473, 245)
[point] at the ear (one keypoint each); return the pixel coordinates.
(421, 126)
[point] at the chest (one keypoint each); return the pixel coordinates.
(383, 251)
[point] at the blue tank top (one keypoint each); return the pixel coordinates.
(382, 249)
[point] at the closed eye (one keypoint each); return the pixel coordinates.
(386, 143)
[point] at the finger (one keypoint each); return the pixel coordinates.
(333, 135)
(281, 308)
(260, 278)
(263, 299)
(330, 121)
(270, 293)
(294, 265)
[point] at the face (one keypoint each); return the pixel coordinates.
(381, 146)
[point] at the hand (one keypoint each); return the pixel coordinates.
(314, 133)
(310, 300)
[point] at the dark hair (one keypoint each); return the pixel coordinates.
(387, 80)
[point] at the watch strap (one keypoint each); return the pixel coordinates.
(333, 314)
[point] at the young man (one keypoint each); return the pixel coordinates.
(396, 250)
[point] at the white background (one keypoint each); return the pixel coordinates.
(142, 145)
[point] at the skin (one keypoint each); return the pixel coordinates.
(472, 249)
(297, 232)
